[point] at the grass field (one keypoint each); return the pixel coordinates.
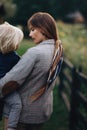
(74, 40)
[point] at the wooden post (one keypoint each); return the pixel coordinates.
(61, 77)
(74, 101)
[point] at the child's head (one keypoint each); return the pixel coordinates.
(10, 37)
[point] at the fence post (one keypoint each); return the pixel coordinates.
(61, 77)
(74, 103)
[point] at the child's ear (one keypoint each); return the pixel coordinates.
(16, 47)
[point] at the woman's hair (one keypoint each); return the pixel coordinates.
(10, 37)
(47, 25)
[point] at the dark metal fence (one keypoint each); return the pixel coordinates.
(72, 88)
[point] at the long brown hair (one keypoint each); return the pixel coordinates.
(46, 23)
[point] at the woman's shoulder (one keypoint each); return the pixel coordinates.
(34, 50)
(41, 49)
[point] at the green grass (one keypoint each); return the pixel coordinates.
(74, 40)
(24, 45)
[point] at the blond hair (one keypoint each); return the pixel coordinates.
(10, 37)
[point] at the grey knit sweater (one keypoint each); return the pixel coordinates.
(31, 73)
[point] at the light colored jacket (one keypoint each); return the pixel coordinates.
(31, 73)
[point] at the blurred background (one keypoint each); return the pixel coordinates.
(18, 12)
(71, 19)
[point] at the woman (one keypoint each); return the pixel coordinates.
(31, 73)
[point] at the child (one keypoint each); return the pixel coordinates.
(10, 37)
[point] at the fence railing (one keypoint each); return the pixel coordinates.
(72, 88)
